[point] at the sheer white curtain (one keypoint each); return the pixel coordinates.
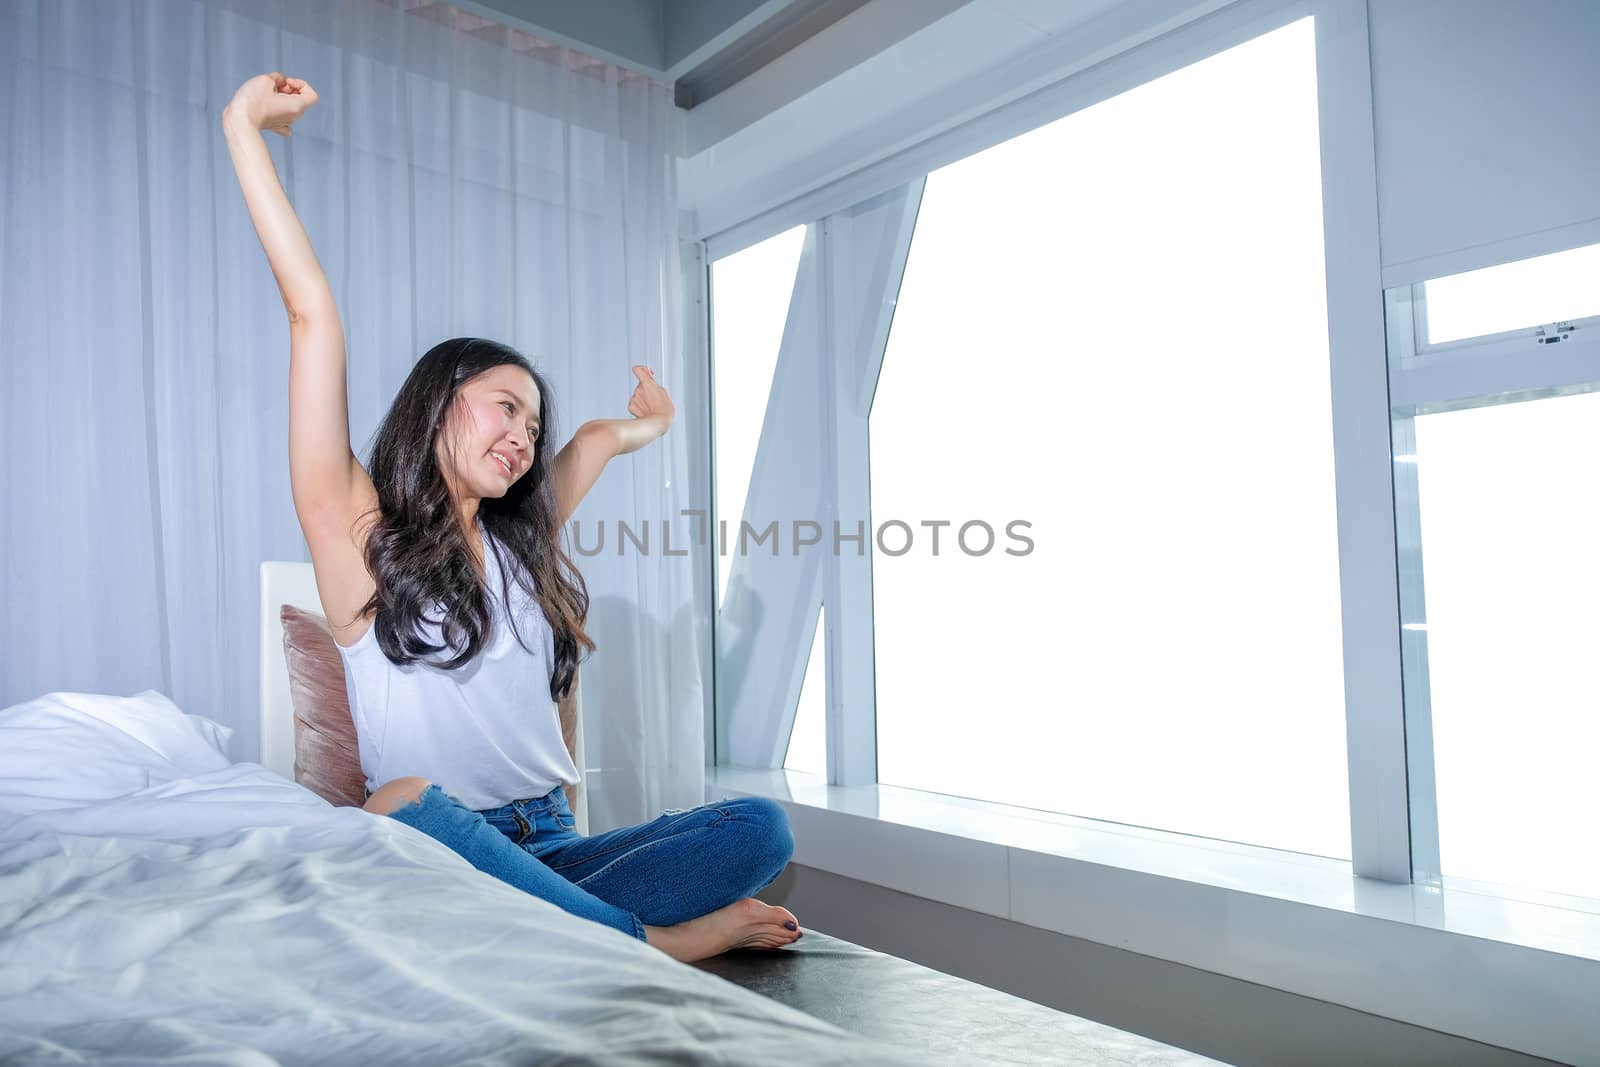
(456, 179)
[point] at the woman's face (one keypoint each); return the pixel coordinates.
(491, 433)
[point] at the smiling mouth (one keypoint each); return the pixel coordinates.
(502, 460)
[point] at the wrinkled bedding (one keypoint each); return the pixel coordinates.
(161, 903)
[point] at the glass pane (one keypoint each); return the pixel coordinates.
(1114, 328)
(1509, 523)
(1512, 296)
(750, 293)
(807, 747)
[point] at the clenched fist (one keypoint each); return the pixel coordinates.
(270, 102)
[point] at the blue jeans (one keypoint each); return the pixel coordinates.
(679, 866)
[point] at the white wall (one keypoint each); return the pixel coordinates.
(757, 148)
(1486, 116)
(1487, 129)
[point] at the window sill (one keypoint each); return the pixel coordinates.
(1509, 972)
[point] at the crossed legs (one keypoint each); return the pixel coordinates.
(656, 870)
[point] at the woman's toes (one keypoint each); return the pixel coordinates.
(773, 913)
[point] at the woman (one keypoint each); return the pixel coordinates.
(459, 617)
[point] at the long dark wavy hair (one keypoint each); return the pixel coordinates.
(417, 551)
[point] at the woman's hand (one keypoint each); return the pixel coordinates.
(649, 400)
(270, 102)
(578, 465)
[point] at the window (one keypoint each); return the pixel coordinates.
(1495, 428)
(1509, 522)
(807, 749)
(1113, 330)
(1531, 292)
(750, 305)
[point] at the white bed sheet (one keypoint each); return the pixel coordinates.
(160, 904)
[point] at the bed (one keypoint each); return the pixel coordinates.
(160, 901)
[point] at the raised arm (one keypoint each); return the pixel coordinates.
(333, 495)
(322, 467)
(578, 465)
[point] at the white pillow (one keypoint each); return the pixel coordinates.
(62, 749)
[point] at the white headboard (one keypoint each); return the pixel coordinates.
(281, 583)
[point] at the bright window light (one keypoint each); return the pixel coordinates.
(1509, 527)
(750, 293)
(1512, 296)
(807, 751)
(1114, 328)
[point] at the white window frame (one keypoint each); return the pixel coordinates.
(1508, 366)
(825, 329)
(760, 660)
(828, 362)
(1162, 894)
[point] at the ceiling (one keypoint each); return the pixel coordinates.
(700, 46)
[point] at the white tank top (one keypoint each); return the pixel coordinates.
(487, 733)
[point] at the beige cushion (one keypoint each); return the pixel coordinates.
(326, 759)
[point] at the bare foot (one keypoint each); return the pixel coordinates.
(746, 923)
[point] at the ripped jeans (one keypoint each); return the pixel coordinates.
(679, 866)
